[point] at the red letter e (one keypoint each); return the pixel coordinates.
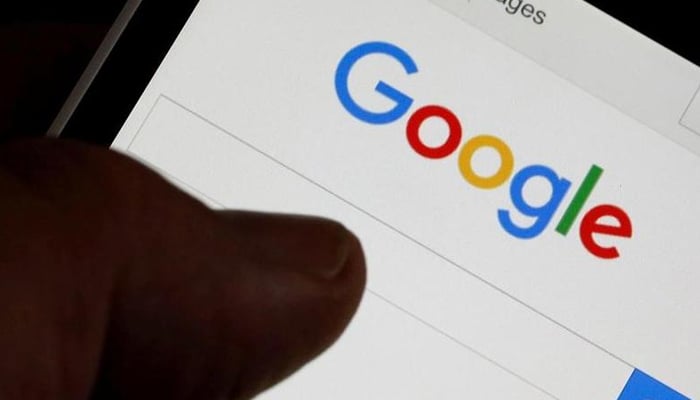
(591, 225)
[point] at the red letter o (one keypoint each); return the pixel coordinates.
(413, 132)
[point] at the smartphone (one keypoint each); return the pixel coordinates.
(524, 177)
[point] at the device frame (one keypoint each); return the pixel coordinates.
(121, 70)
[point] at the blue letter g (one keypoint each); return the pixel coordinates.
(403, 102)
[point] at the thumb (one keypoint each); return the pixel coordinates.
(116, 285)
(263, 295)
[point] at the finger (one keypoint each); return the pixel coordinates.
(262, 296)
(199, 304)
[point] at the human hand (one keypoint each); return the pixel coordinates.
(114, 284)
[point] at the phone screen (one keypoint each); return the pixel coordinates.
(524, 177)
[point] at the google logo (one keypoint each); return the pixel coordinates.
(606, 219)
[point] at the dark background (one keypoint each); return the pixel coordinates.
(45, 45)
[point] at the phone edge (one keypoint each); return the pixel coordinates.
(93, 68)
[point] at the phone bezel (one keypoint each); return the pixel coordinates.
(127, 70)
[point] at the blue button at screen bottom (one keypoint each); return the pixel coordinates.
(643, 387)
